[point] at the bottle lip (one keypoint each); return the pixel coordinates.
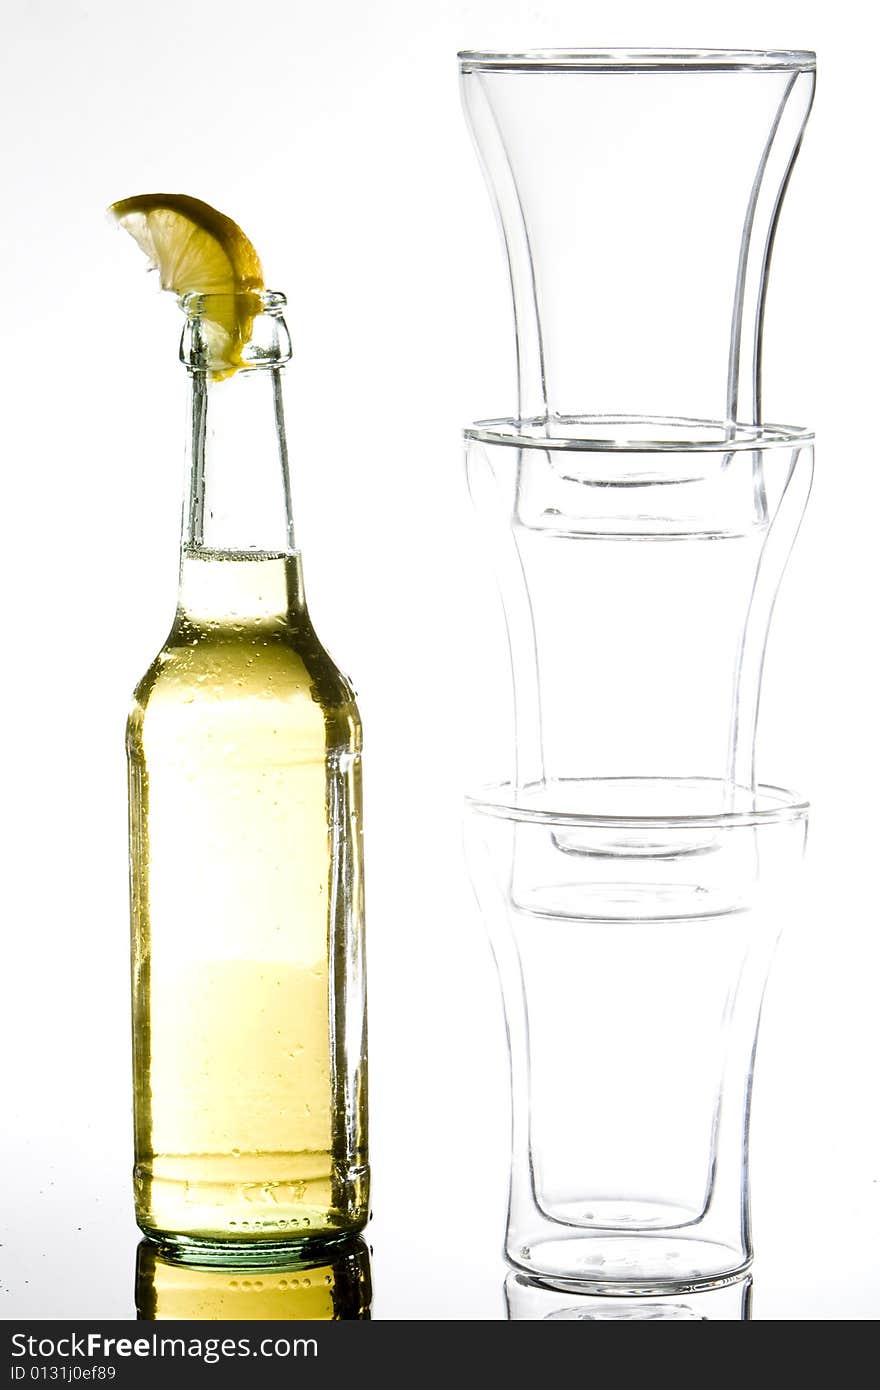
(228, 333)
(271, 302)
(640, 60)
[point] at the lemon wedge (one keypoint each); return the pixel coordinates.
(197, 249)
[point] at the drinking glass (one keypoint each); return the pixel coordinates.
(633, 921)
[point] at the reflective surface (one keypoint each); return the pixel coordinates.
(529, 1300)
(418, 1274)
(332, 1288)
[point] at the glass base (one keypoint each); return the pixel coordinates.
(245, 1254)
(635, 1266)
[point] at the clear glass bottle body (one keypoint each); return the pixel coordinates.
(244, 748)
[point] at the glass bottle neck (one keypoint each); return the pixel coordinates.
(238, 556)
(239, 487)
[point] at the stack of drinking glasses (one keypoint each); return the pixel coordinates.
(633, 872)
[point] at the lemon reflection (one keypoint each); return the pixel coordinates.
(326, 1288)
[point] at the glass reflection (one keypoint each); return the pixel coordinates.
(528, 1299)
(326, 1288)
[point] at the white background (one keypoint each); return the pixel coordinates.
(333, 133)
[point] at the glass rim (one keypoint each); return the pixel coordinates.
(702, 436)
(770, 805)
(192, 302)
(639, 60)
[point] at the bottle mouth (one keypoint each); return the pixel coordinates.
(228, 333)
(197, 304)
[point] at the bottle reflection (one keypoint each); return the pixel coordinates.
(327, 1288)
(527, 1299)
